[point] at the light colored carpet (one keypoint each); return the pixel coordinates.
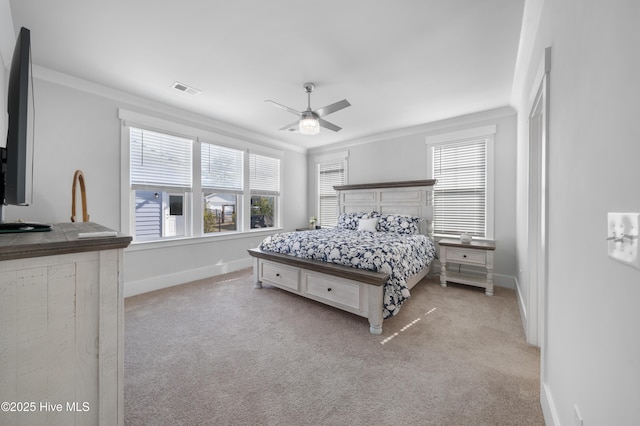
(219, 352)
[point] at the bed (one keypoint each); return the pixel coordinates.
(351, 267)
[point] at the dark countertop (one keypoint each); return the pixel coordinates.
(62, 239)
(476, 244)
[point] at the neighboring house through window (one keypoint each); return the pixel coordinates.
(222, 177)
(185, 186)
(161, 179)
(462, 164)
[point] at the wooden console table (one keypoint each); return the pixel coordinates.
(61, 316)
(475, 253)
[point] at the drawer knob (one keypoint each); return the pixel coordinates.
(329, 289)
(278, 274)
(464, 255)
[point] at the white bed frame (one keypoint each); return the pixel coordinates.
(353, 290)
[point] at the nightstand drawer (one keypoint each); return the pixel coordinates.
(476, 257)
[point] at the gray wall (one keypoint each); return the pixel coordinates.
(591, 350)
(402, 155)
(77, 127)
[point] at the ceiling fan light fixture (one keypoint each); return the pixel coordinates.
(309, 125)
(309, 121)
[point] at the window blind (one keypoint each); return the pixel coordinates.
(264, 174)
(329, 174)
(159, 160)
(222, 168)
(459, 197)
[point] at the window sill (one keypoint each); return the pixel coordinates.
(202, 239)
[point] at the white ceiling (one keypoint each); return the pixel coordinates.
(399, 63)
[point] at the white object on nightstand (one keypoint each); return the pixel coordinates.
(466, 238)
(622, 238)
(474, 253)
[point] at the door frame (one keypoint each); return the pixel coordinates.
(537, 221)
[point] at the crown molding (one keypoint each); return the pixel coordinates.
(192, 119)
(422, 129)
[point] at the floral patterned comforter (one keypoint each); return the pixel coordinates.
(398, 255)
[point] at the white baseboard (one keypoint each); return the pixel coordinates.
(133, 288)
(506, 281)
(524, 315)
(548, 407)
(146, 285)
(521, 306)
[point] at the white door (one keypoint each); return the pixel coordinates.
(173, 209)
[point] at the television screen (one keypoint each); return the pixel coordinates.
(18, 165)
(16, 174)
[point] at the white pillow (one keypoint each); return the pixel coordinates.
(368, 224)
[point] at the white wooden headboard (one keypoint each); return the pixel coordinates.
(407, 197)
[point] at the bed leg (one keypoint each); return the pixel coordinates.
(375, 308)
(375, 328)
(443, 271)
(256, 273)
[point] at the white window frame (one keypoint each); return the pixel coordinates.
(327, 159)
(467, 135)
(239, 193)
(264, 193)
(194, 226)
(128, 196)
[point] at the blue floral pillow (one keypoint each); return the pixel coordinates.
(401, 224)
(351, 220)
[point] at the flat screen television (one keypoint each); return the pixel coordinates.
(16, 174)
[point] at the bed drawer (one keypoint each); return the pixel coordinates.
(283, 276)
(333, 291)
(466, 256)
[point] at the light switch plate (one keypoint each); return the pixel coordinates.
(622, 238)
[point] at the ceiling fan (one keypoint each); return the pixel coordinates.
(310, 121)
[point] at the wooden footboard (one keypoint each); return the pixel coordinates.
(353, 290)
(347, 272)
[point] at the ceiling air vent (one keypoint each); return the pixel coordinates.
(186, 89)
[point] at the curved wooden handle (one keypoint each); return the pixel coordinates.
(78, 176)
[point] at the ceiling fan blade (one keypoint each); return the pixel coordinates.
(290, 126)
(332, 108)
(286, 108)
(327, 125)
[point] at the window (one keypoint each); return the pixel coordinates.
(331, 170)
(462, 195)
(161, 175)
(329, 174)
(178, 184)
(265, 189)
(222, 176)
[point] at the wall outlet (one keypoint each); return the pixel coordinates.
(622, 238)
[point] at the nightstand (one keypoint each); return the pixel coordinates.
(475, 253)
